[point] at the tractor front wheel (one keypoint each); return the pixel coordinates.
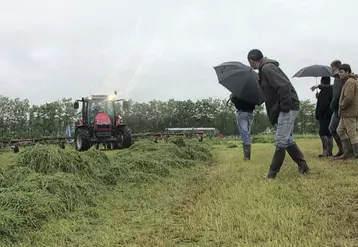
(82, 139)
(124, 134)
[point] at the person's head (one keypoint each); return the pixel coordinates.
(344, 71)
(335, 65)
(254, 57)
(326, 80)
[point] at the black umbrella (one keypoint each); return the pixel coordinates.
(315, 71)
(241, 80)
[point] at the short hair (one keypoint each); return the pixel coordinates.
(255, 55)
(345, 67)
(336, 63)
(326, 80)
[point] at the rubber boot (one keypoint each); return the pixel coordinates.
(276, 163)
(298, 157)
(247, 152)
(339, 144)
(330, 145)
(347, 150)
(324, 140)
(355, 150)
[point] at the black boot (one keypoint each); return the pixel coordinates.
(355, 150)
(324, 140)
(247, 152)
(330, 145)
(347, 150)
(298, 157)
(276, 163)
(339, 144)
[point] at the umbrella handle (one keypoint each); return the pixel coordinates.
(227, 102)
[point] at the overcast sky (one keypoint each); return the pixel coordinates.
(164, 48)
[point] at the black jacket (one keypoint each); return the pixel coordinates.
(279, 92)
(337, 88)
(324, 99)
(242, 105)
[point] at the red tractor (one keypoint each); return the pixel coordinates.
(100, 124)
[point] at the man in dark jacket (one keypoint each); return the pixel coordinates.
(282, 106)
(337, 88)
(244, 117)
(323, 115)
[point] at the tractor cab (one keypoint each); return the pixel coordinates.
(100, 104)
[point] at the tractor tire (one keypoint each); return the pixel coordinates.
(16, 149)
(126, 138)
(82, 139)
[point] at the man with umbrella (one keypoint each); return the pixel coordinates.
(246, 93)
(244, 117)
(323, 115)
(282, 106)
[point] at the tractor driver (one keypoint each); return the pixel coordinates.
(97, 106)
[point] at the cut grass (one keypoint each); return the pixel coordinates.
(47, 183)
(226, 204)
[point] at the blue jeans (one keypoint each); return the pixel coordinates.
(333, 125)
(285, 125)
(244, 123)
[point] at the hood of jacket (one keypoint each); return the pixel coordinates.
(266, 60)
(349, 76)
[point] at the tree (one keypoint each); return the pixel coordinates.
(19, 119)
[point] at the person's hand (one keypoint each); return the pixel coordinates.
(314, 88)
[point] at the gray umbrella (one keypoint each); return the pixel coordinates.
(241, 80)
(315, 71)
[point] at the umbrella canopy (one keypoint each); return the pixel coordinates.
(240, 80)
(315, 71)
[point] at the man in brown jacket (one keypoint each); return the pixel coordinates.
(282, 106)
(348, 111)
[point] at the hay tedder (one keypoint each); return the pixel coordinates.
(100, 124)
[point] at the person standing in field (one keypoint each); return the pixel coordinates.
(244, 117)
(323, 115)
(282, 106)
(337, 88)
(348, 112)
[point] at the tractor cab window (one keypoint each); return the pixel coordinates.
(98, 106)
(101, 106)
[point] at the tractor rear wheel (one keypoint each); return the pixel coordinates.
(125, 137)
(82, 139)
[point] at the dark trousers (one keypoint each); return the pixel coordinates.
(324, 127)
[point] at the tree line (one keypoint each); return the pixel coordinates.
(20, 119)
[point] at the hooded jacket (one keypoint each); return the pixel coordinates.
(279, 92)
(348, 101)
(242, 105)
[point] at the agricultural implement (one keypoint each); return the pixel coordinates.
(101, 124)
(15, 144)
(199, 133)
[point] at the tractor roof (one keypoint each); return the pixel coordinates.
(97, 97)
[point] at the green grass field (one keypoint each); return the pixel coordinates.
(225, 202)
